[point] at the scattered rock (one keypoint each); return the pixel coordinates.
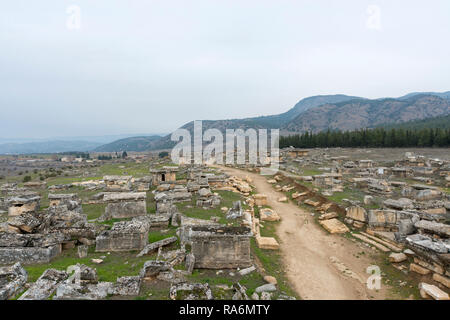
(397, 257)
(266, 288)
(271, 280)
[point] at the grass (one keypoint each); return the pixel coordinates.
(93, 211)
(116, 264)
(157, 235)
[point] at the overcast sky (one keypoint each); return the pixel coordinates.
(124, 66)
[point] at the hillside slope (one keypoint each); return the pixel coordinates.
(264, 122)
(366, 113)
(129, 144)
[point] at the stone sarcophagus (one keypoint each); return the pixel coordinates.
(218, 247)
(124, 205)
(29, 248)
(123, 236)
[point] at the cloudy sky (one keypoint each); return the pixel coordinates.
(100, 67)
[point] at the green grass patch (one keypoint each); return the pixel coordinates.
(116, 264)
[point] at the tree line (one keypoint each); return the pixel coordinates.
(370, 138)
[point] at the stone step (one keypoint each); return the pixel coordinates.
(371, 242)
(386, 236)
(384, 243)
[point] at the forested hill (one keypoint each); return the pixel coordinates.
(371, 138)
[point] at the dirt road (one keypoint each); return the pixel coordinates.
(317, 264)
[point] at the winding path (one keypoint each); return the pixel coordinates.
(317, 264)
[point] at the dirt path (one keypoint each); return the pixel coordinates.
(317, 264)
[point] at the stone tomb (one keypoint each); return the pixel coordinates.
(29, 248)
(124, 205)
(218, 247)
(164, 175)
(123, 236)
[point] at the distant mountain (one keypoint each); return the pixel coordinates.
(365, 113)
(47, 147)
(129, 144)
(444, 95)
(263, 122)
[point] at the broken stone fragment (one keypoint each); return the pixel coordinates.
(428, 194)
(190, 263)
(269, 287)
(368, 200)
(312, 203)
(400, 204)
(156, 245)
(397, 257)
(418, 269)
(266, 295)
(334, 226)
(45, 286)
(429, 290)
(204, 192)
(267, 243)
(82, 251)
(427, 242)
(12, 280)
(327, 216)
(96, 261)
(73, 291)
(433, 227)
(260, 199)
(152, 268)
(25, 222)
(126, 286)
(236, 211)
(246, 271)
(442, 279)
(267, 214)
(271, 280)
(198, 291)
